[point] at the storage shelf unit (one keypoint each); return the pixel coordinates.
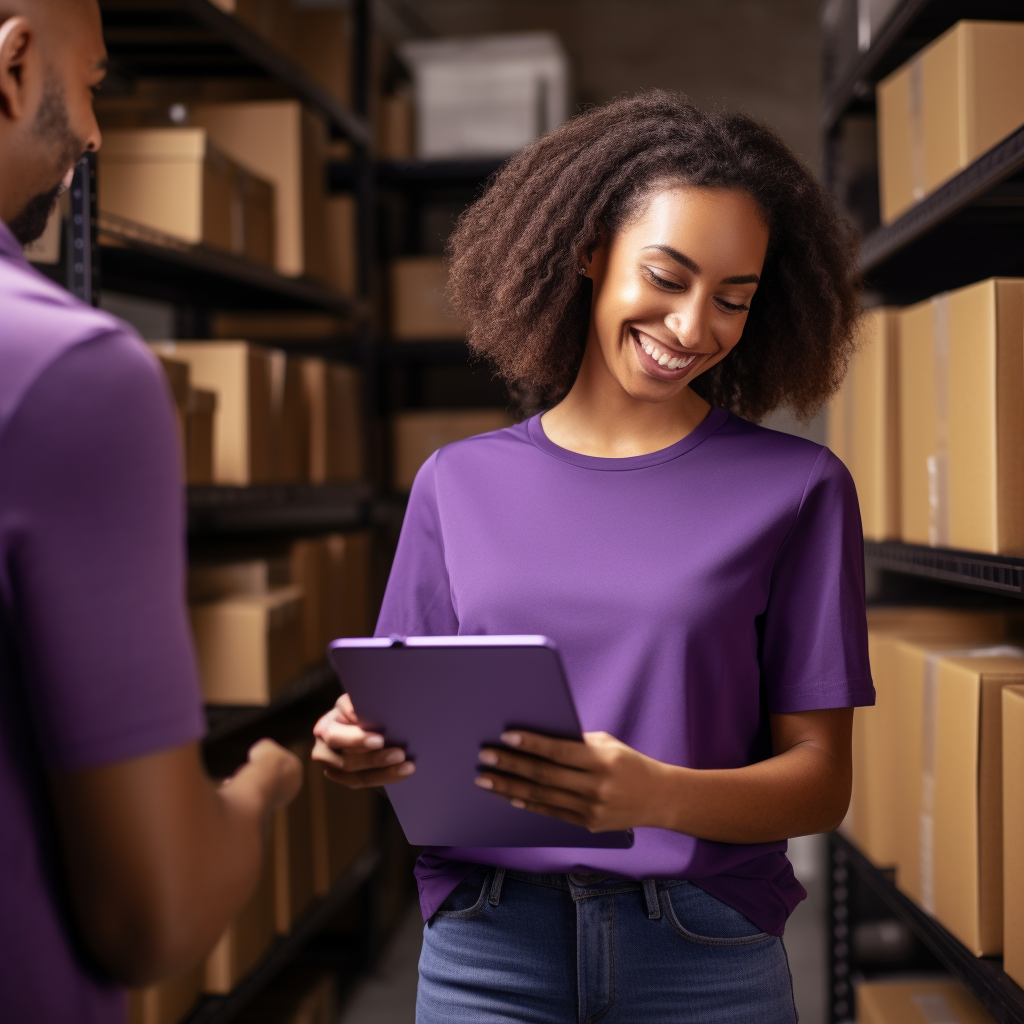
(984, 976)
(993, 573)
(220, 1009)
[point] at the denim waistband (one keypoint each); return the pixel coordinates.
(582, 879)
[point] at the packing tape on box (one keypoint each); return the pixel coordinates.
(929, 738)
(917, 130)
(938, 461)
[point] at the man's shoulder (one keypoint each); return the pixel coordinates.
(41, 322)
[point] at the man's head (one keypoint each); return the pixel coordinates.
(52, 59)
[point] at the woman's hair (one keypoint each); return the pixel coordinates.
(515, 256)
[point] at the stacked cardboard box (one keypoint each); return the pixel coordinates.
(863, 423)
(1013, 832)
(334, 407)
(943, 109)
(419, 309)
(962, 446)
(927, 1001)
(417, 435)
(195, 410)
(177, 181)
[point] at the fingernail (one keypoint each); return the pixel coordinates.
(483, 783)
(488, 757)
(373, 742)
(406, 769)
(394, 757)
(512, 739)
(518, 803)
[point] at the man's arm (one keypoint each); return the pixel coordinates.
(159, 858)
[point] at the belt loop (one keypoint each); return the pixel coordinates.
(499, 880)
(651, 899)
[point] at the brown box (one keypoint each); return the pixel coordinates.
(293, 854)
(886, 802)
(259, 218)
(419, 309)
(174, 180)
(240, 375)
(342, 254)
(178, 379)
(322, 48)
(285, 144)
(348, 591)
(1013, 832)
(249, 645)
(167, 1002)
(210, 580)
(199, 433)
(335, 421)
(310, 562)
(942, 110)
(342, 822)
(275, 326)
(272, 19)
(249, 935)
(863, 423)
(417, 435)
(289, 419)
(918, 1002)
(396, 120)
(986, 416)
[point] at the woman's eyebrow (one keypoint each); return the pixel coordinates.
(679, 257)
(742, 279)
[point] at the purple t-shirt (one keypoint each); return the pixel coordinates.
(692, 592)
(96, 662)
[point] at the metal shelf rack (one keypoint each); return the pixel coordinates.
(995, 574)
(984, 976)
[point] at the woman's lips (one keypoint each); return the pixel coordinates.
(659, 361)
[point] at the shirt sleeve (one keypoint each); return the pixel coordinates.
(814, 650)
(418, 601)
(96, 557)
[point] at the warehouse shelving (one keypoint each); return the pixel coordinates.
(967, 230)
(984, 976)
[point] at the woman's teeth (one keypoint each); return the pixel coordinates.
(664, 359)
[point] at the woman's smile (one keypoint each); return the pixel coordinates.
(660, 360)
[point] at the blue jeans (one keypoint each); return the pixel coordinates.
(553, 949)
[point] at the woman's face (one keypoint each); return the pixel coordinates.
(673, 286)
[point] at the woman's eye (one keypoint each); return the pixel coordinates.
(663, 282)
(732, 307)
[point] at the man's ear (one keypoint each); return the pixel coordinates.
(17, 41)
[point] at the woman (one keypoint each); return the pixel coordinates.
(635, 274)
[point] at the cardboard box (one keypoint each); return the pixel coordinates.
(417, 435)
(249, 646)
(942, 110)
(259, 217)
(271, 325)
(986, 416)
(310, 563)
(927, 1001)
(178, 380)
(213, 580)
(284, 143)
(334, 405)
(886, 802)
(342, 232)
(1013, 832)
(396, 119)
(348, 611)
(863, 423)
(240, 375)
(293, 854)
(167, 1002)
(200, 414)
(248, 937)
(289, 418)
(322, 47)
(343, 825)
(419, 309)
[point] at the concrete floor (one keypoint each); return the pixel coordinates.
(389, 996)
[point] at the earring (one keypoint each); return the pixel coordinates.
(583, 271)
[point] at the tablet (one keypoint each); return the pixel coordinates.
(442, 698)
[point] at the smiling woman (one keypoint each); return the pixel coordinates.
(640, 276)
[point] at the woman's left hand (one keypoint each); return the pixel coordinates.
(601, 783)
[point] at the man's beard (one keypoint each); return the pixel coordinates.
(52, 125)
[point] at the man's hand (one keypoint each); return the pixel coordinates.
(354, 756)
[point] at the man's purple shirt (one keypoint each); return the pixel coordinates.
(96, 661)
(692, 593)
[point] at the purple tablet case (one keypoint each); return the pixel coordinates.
(442, 698)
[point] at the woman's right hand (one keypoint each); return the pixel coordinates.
(354, 756)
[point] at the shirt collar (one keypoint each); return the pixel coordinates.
(10, 247)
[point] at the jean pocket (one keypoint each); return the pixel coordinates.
(468, 897)
(699, 917)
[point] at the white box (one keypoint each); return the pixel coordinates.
(487, 95)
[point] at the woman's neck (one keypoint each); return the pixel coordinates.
(599, 417)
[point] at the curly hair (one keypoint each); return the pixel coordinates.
(515, 254)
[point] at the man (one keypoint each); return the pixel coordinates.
(120, 862)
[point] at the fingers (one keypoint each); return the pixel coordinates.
(371, 777)
(356, 760)
(540, 807)
(520, 792)
(344, 736)
(537, 770)
(572, 753)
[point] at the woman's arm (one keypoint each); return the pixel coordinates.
(603, 784)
